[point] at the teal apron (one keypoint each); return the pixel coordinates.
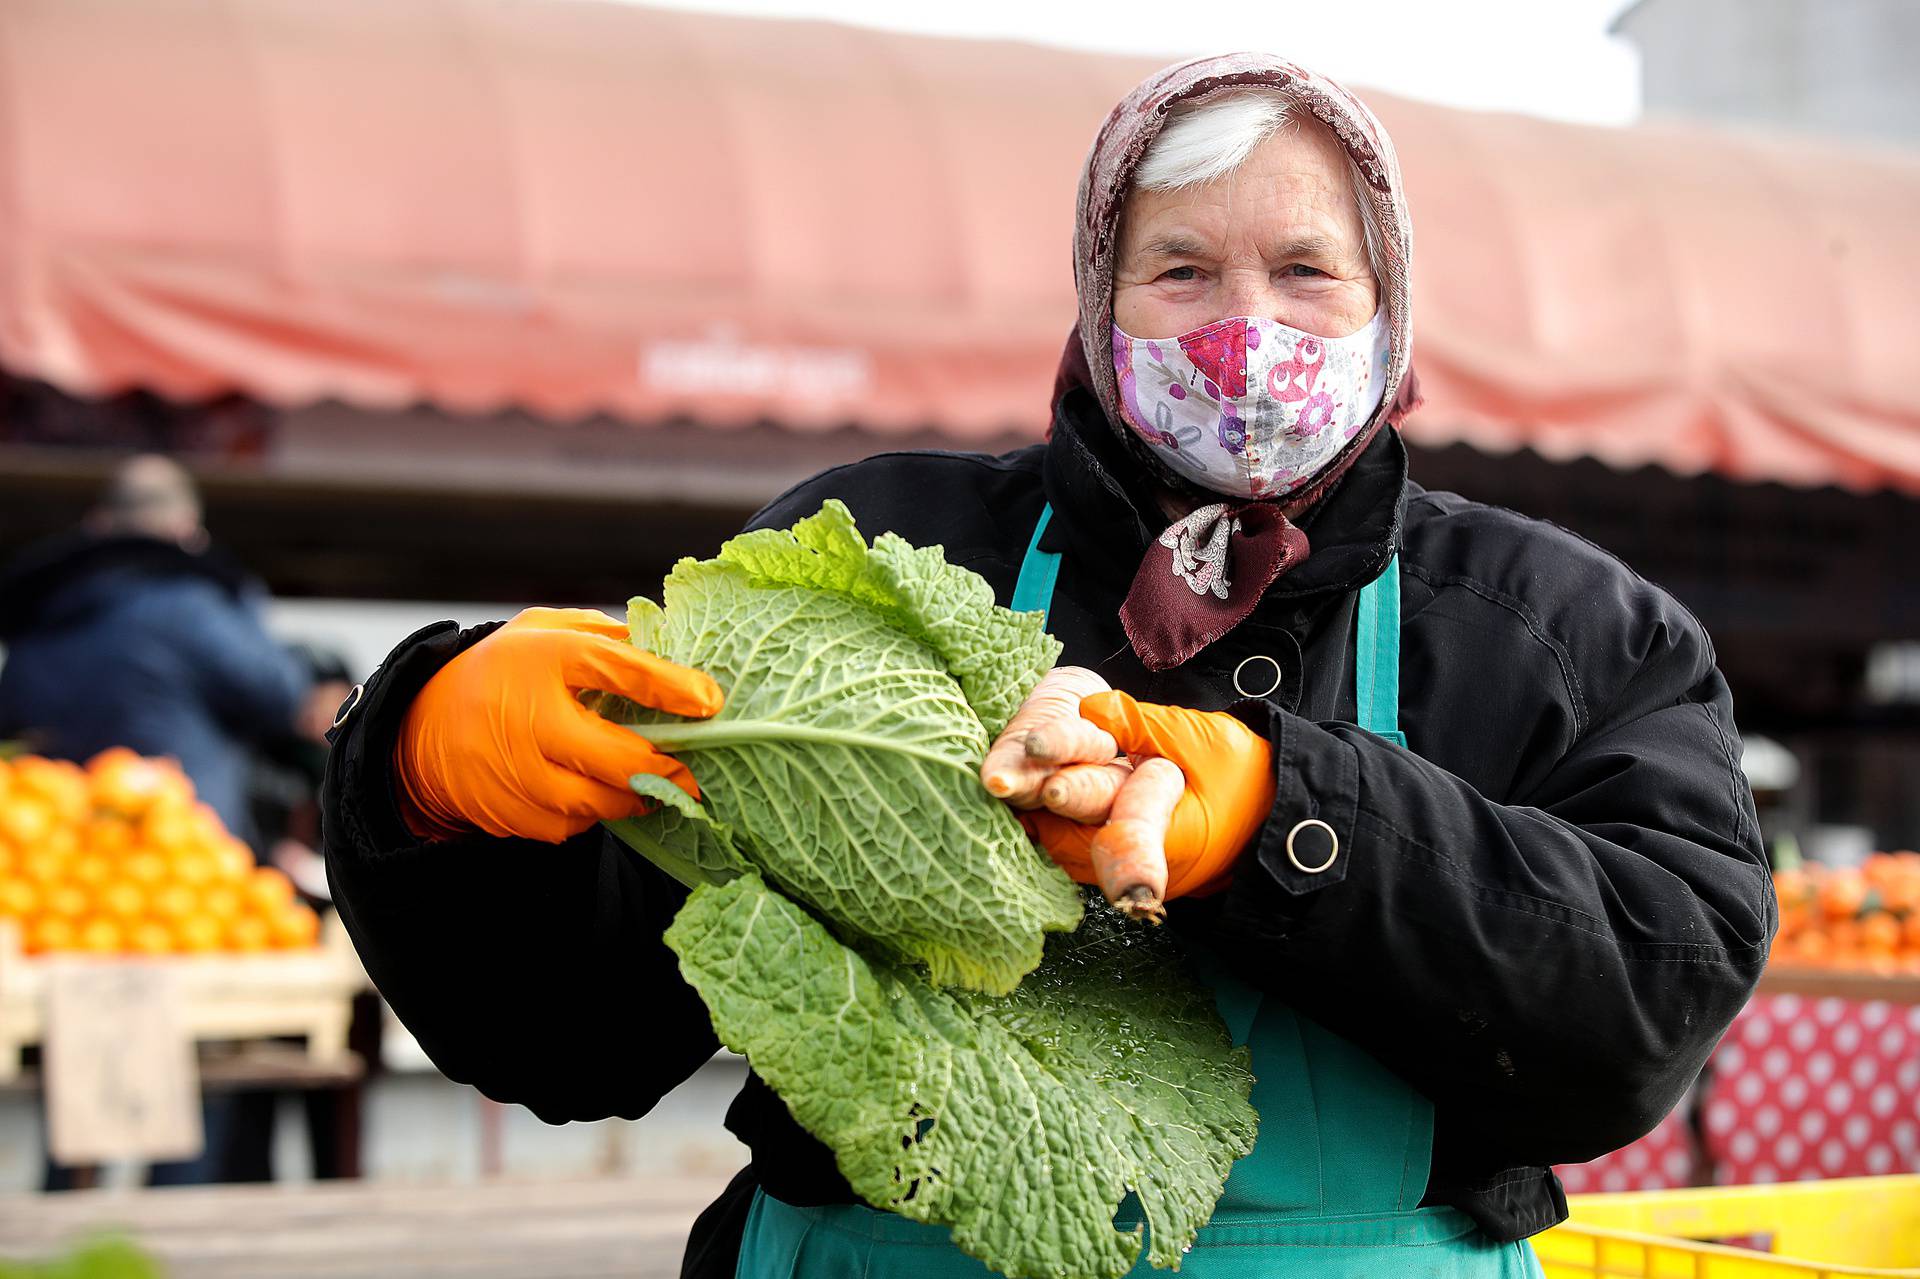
(1332, 1187)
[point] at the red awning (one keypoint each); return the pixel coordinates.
(590, 207)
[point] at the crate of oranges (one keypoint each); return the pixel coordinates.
(118, 860)
(1852, 930)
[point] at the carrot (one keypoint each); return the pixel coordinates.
(1006, 772)
(1129, 853)
(1084, 792)
(1071, 741)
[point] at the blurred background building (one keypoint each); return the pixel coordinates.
(1836, 67)
(453, 307)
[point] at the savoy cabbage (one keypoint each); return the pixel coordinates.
(864, 914)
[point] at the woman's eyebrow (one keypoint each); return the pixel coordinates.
(1306, 246)
(1174, 244)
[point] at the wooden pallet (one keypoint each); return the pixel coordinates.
(307, 993)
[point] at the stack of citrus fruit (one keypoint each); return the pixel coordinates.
(1864, 917)
(118, 858)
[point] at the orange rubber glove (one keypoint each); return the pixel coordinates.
(1229, 791)
(498, 738)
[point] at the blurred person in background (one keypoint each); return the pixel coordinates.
(134, 630)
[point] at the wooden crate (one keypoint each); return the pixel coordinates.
(1823, 983)
(306, 993)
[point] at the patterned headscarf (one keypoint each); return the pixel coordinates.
(1167, 618)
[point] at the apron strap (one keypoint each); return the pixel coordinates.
(1033, 592)
(1376, 656)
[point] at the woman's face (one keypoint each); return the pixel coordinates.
(1279, 238)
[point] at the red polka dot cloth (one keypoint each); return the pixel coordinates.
(1810, 1088)
(1799, 1089)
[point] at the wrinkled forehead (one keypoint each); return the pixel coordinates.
(1296, 182)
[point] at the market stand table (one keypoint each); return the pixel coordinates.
(630, 1228)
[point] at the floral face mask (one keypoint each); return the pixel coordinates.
(1249, 407)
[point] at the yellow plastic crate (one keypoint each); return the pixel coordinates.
(1852, 1226)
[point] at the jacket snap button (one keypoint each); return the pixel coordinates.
(1332, 852)
(1241, 675)
(347, 707)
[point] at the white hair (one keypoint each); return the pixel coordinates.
(1208, 140)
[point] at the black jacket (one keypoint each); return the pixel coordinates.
(1543, 917)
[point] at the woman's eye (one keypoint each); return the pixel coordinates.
(1301, 271)
(1180, 274)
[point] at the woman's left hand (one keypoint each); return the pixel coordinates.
(1229, 791)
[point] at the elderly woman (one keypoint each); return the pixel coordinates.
(1463, 821)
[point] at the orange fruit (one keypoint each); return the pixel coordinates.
(167, 829)
(294, 926)
(1811, 949)
(111, 757)
(121, 899)
(145, 868)
(61, 784)
(62, 842)
(194, 867)
(1879, 934)
(99, 936)
(269, 890)
(197, 934)
(149, 937)
(42, 866)
(108, 836)
(50, 933)
(9, 860)
(18, 898)
(249, 933)
(25, 818)
(125, 783)
(1793, 887)
(65, 898)
(1900, 892)
(207, 827)
(1910, 931)
(90, 870)
(1793, 920)
(1843, 892)
(222, 901)
(234, 859)
(173, 902)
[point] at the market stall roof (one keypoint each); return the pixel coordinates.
(591, 207)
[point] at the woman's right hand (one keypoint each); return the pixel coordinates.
(499, 741)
